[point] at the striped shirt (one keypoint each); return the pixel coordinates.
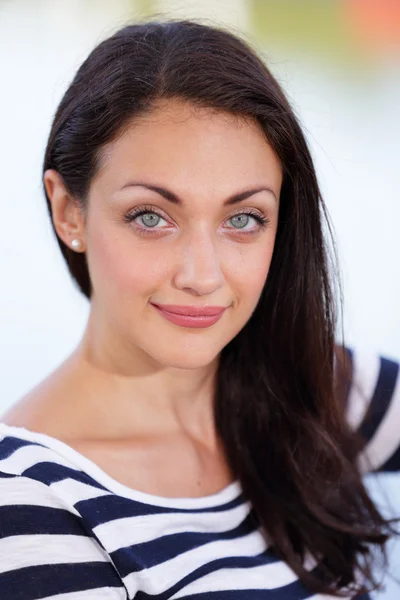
(70, 531)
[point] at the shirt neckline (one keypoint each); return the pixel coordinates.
(228, 493)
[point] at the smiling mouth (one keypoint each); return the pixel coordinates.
(191, 320)
(191, 311)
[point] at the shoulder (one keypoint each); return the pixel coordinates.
(372, 407)
(374, 384)
(43, 537)
(42, 463)
(43, 540)
(27, 472)
(22, 452)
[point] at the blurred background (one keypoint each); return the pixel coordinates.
(339, 63)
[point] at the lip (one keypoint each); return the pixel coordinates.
(191, 311)
(185, 320)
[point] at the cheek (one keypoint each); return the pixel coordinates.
(247, 269)
(119, 266)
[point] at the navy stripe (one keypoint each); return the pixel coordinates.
(24, 519)
(161, 549)
(45, 471)
(8, 475)
(33, 583)
(9, 445)
(104, 509)
(108, 508)
(49, 472)
(392, 464)
(381, 398)
(293, 591)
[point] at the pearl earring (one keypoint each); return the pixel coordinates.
(76, 244)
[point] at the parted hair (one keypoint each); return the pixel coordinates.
(276, 411)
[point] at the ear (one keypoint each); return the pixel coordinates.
(67, 215)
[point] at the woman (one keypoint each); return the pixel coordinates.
(192, 445)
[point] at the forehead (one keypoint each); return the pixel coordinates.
(177, 140)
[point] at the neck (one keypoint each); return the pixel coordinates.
(141, 395)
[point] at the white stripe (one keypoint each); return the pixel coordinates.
(259, 577)
(366, 369)
(240, 579)
(324, 597)
(127, 531)
(75, 491)
(108, 593)
(159, 578)
(386, 439)
(22, 551)
(28, 492)
(28, 456)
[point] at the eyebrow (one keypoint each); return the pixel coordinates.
(171, 197)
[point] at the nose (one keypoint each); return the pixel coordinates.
(199, 271)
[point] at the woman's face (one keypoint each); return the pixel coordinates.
(195, 248)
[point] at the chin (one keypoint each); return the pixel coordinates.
(189, 358)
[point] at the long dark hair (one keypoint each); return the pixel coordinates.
(275, 408)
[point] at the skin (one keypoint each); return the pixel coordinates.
(138, 389)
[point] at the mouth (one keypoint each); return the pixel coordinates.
(197, 320)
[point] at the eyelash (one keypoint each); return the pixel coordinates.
(142, 210)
